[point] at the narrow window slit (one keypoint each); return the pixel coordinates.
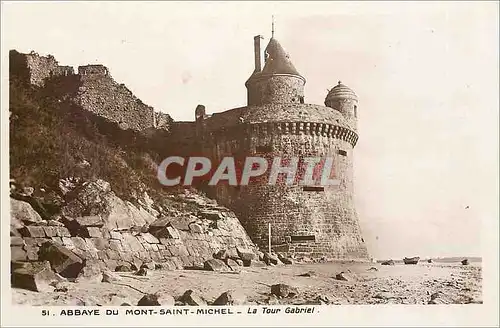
(313, 188)
(303, 238)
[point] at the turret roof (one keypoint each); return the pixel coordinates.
(278, 61)
(341, 91)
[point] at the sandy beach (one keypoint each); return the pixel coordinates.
(367, 283)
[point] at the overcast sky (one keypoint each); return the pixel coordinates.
(426, 75)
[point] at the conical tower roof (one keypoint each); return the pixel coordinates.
(278, 61)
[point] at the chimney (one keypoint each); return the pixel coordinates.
(256, 44)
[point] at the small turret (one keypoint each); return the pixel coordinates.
(343, 99)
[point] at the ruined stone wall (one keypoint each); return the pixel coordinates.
(40, 67)
(276, 89)
(92, 88)
(327, 215)
(63, 71)
(101, 95)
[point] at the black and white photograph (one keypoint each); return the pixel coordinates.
(250, 163)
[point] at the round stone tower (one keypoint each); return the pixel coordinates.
(311, 219)
(278, 82)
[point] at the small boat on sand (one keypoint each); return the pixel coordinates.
(411, 260)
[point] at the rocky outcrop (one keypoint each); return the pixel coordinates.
(98, 230)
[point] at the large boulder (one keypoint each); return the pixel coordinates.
(245, 254)
(215, 265)
(233, 265)
(157, 299)
(230, 298)
(344, 276)
(283, 290)
(284, 259)
(96, 199)
(270, 259)
(35, 276)
(192, 298)
(61, 259)
(91, 272)
(110, 277)
(22, 213)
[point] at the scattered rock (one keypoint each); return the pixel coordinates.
(233, 265)
(254, 264)
(215, 265)
(191, 298)
(142, 272)
(91, 272)
(230, 298)
(440, 298)
(273, 300)
(389, 262)
(60, 288)
(283, 290)
(123, 268)
(465, 262)
(384, 296)
(118, 300)
(195, 228)
(321, 299)
(270, 259)
(108, 276)
(221, 255)
(62, 260)
(245, 255)
(429, 261)
(136, 263)
(260, 255)
(345, 276)
(372, 269)
(149, 265)
(284, 259)
(36, 276)
(157, 299)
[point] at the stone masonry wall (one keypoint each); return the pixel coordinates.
(348, 107)
(92, 88)
(276, 89)
(40, 67)
(327, 215)
(101, 95)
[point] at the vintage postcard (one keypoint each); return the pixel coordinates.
(249, 163)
